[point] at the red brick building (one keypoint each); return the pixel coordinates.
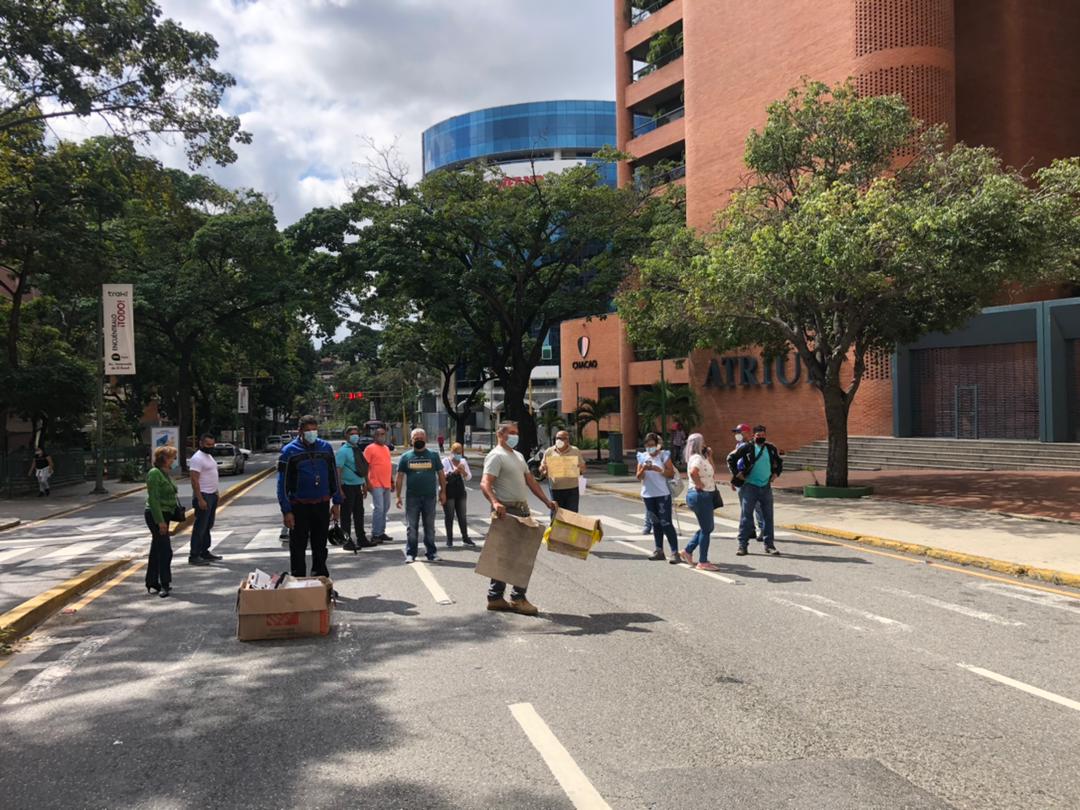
(693, 77)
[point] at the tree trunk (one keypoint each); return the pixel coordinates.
(517, 411)
(836, 422)
(184, 388)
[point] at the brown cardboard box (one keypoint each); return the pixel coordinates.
(573, 534)
(283, 613)
(563, 471)
(510, 547)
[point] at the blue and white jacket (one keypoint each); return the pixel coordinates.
(307, 474)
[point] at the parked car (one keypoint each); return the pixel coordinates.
(273, 445)
(229, 458)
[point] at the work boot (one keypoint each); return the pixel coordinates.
(349, 545)
(657, 555)
(500, 604)
(524, 607)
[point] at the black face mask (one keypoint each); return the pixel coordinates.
(759, 440)
(419, 445)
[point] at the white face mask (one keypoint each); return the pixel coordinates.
(653, 450)
(512, 441)
(739, 437)
(561, 443)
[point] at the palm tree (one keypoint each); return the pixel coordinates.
(681, 407)
(594, 410)
(552, 422)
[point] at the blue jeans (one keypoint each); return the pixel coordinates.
(417, 508)
(380, 505)
(658, 510)
(204, 522)
(750, 497)
(701, 504)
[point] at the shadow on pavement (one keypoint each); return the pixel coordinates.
(601, 624)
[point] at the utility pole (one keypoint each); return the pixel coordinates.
(663, 401)
(99, 467)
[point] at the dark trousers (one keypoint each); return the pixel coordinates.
(568, 498)
(496, 589)
(312, 523)
(159, 566)
(204, 522)
(659, 515)
(456, 506)
(750, 499)
(352, 509)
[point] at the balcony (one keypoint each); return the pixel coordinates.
(658, 120)
(656, 64)
(641, 10)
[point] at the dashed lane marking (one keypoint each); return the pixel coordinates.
(854, 611)
(1023, 687)
(570, 777)
(100, 527)
(432, 584)
(1052, 600)
(963, 610)
(815, 612)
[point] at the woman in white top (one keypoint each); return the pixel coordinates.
(654, 470)
(456, 468)
(700, 500)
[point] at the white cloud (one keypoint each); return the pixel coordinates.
(315, 77)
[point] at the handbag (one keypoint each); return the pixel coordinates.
(455, 486)
(178, 514)
(717, 499)
(675, 485)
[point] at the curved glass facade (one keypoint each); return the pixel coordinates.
(517, 131)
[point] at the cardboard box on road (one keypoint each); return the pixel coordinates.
(284, 612)
(510, 547)
(573, 534)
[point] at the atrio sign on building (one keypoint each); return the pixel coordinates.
(731, 372)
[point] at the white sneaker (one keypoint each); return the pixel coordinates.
(409, 558)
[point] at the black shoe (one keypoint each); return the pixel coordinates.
(449, 543)
(164, 593)
(760, 538)
(370, 543)
(197, 561)
(469, 542)
(657, 555)
(772, 550)
(349, 545)
(385, 538)
(742, 552)
(210, 557)
(153, 588)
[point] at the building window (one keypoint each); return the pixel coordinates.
(612, 394)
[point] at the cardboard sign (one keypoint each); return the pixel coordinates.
(510, 547)
(563, 471)
(284, 612)
(573, 535)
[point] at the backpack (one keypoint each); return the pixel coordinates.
(360, 463)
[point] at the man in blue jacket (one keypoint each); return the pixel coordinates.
(308, 492)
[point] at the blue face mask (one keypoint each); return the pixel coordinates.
(457, 456)
(311, 436)
(354, 439)
(512, 441)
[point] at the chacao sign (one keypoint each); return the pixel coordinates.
(730, 372)
(583, 344)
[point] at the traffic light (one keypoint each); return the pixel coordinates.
(348, 395)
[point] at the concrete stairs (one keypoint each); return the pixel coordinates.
(887, 453)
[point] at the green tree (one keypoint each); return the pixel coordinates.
(594, 410)
(676, 401)
(513, 259)
(552, 422)
(119, 61)
(838, 248)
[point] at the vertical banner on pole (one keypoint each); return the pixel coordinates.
(118, 302)
(241, 399)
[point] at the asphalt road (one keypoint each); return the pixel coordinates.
(830, 677)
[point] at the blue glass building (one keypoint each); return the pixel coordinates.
(552, 134)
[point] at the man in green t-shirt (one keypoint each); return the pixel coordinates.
(420, 471)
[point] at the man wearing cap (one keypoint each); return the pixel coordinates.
(742, 433)
(755, 465)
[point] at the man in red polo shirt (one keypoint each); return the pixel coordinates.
(380, 481)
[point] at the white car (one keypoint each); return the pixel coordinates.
(229, 459)
(273, 444)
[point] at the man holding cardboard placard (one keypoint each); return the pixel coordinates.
(563, 465)
(506, 484)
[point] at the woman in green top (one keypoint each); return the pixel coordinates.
(160, 505)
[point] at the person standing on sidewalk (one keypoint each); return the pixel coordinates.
(654, 470)
(352, 472)
(564, 491)
(161, 506)
(742, 432)
(678, 442)
(506, 484)
(757, 465)
(380, 480)
(420, 470)
(204, 499)
(457, 472)
(41, 468)
(700, 499)
(308, 494)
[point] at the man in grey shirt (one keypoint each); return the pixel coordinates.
(507, 483)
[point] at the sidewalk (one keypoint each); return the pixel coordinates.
(20, 511)
(1014, 545)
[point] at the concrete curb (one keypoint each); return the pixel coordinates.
(917, 549)
(23, 618)
(10, 524)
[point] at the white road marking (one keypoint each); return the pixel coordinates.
(963, 610)
(100, 527)
(1048, 600)
(432, 584)
(813, 611)
(45, 680)
(570, 777)
(68, 552)
(620, 524)
(712, 574)
(1023, 687)
(853, 611)
(11, 554)
(34, 540)
(266, 540)
(634, 546)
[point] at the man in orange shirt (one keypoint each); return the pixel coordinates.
(379, 483)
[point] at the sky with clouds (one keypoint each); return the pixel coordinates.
(317, 77)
